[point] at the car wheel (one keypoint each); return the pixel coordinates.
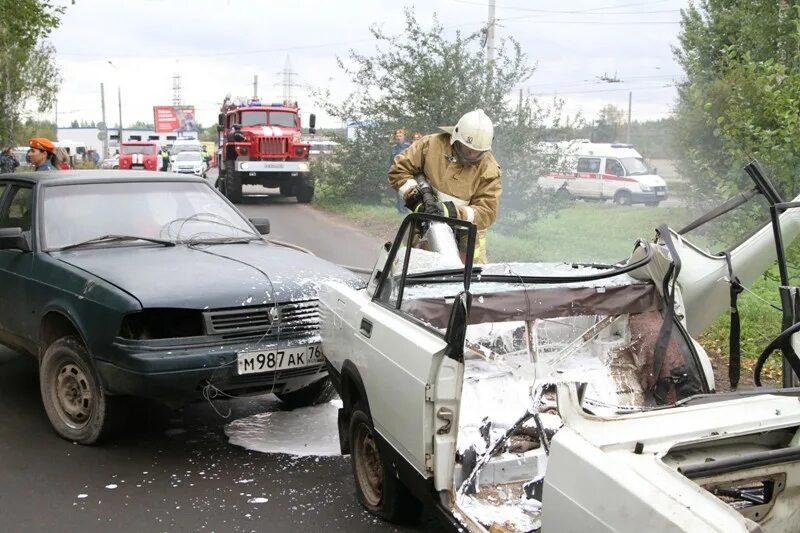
(622, 198)
(305, 193)
(377, 487)
(71, 392)
(288, 189)
(233, 187)
(563, 194)
(321, 391)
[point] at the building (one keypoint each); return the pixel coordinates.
(88, 137)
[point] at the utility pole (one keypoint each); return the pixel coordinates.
(119, 97)
(490, 39)
(255, 85)
(628, 134)
(103, 109)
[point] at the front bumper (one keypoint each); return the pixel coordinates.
(649, 197)
(272, 166)
(195, 171)
(177, 374)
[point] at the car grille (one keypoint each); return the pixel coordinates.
(273, 146)
(269, 322)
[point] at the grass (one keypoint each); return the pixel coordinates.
(601, 232)
(582, 232)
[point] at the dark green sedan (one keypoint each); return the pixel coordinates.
(143, 284)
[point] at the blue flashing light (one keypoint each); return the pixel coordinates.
(277, 104)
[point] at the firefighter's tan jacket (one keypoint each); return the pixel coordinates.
(473, 188)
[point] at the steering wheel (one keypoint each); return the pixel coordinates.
(778, 342)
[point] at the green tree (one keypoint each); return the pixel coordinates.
(141, 125)
(739, 101)
(27, 67)
(33, 128)
(420, 80)
(607, 126)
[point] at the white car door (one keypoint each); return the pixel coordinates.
(412, 386)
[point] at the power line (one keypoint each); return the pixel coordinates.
(589, 11)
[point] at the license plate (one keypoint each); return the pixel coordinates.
(278, 358)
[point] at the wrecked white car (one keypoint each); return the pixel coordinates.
(559, 397)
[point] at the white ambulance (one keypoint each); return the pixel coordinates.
(602, 171)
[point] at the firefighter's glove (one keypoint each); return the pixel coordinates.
(442, 209)
(413, 199)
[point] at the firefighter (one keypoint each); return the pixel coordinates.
(461, 168)
(42, 153)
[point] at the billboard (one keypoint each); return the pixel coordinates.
(178, 119)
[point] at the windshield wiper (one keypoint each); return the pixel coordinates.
(114, 238)
(222, 240)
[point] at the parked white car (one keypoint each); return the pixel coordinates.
(189, 163)
(602, 171)
(521, 396)
(111, 162)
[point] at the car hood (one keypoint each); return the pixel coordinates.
(211, 277)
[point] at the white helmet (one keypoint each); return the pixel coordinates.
(474, 130)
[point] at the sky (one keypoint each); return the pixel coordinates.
(136, 47)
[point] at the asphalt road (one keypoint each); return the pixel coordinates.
(175, 470)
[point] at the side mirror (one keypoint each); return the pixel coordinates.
(221, 120)
(312, 123)
(261, 224)
(456, 333)
(13, 239)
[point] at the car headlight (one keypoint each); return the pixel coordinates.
(646, 188)
(244, 166)
(302, 167)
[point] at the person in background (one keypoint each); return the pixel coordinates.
(62, 159)
(8, 163)
(42, 153)
(164, 158)
(461, 168)
(415, 137)
(399, 145)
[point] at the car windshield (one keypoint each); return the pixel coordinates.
(635, 166)
(146, 149)
(282, 118)
(169, 210)
(185, 148)
(253, 118)
(189, 156)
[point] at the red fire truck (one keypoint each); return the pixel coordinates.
(139, 155)
(260, 144)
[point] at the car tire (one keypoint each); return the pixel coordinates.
(233, 187)
(377, 487)
(623, 198)
(319, 392)
(288, 189)
(563, 194)
(305, 193)
(72, 394)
